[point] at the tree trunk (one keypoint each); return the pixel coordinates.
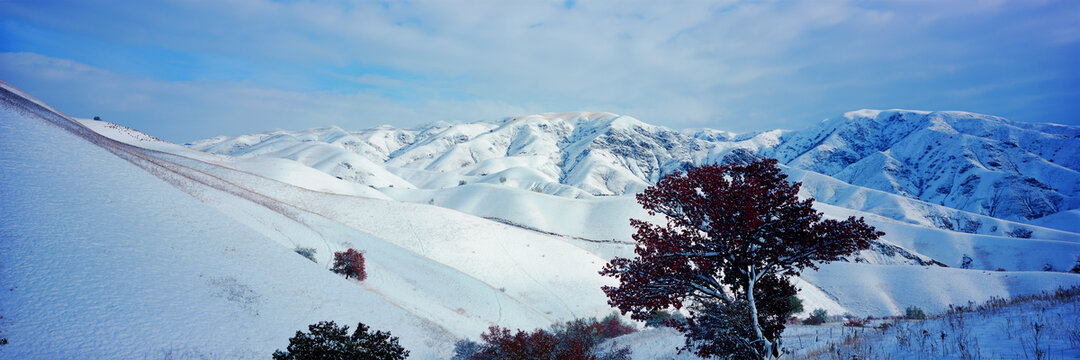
(765, 346)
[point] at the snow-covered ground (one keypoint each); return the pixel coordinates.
(1042, 327)
(118, 245)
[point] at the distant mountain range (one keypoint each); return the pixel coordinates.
(976, 163)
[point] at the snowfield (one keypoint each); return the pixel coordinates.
(116, 244)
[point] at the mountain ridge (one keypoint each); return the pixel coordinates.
(1010, 170)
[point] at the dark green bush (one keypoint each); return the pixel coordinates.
(817, 317)
(914, 313)
(662, 318)
(465, 349)
(795, 304)
(327, 341)
(309, 253)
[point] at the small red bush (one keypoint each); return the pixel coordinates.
(499, 343)
(856, 323)
(611, 327)
(574, 340)
(350, 263)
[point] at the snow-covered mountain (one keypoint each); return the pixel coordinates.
(116, 244)
(574, 154)
(978, 164)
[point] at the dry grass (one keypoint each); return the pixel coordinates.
(1030, 328)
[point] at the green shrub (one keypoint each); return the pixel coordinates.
(662, 318)
(465, 349)
(914, 313)
(309, 253)
(796, 305)
(327, 341)
(817, 317)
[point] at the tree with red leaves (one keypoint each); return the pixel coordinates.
(350, 263)
(734, 236)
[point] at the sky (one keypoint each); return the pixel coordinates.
(184, 70)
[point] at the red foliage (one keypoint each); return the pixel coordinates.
(729, 229)
(573, 340)
(611, 327)
(856, 323)
(499, 343)
(350, 263)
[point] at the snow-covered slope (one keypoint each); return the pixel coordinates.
(102, 259)
(135, 252)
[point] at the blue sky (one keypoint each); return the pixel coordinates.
(184, 70)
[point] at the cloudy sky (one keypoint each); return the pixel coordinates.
(188, 69)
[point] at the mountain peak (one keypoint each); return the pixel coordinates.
(574, 117)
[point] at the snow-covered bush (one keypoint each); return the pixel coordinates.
(1021, 233)
(965, 262)
(914, 313)
(307, 252)
(350, 263)
(327, 341)
(817, 317)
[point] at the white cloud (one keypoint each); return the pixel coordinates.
(685, 63)
(188, 110)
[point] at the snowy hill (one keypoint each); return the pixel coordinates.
(177, 250)
(160, 253)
